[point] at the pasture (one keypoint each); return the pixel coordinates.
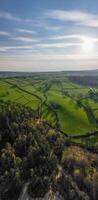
(65, 105)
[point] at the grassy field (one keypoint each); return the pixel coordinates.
(72, 118)
(59, 101)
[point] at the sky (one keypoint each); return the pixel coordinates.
(48, 35)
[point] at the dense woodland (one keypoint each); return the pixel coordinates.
(32, 152)
(85, 80)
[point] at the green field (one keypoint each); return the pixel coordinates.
(56, 100)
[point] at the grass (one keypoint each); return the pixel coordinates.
(72, 119)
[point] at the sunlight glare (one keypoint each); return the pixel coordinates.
(88, 45)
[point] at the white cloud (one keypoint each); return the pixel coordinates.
(42, 62)
(26, 31)
(60, 57)
(79, 17)
(25, 39)
(62, 37)
(73, 36)
(3, 33)
(58, 45)
(7, 48)
(10, 16)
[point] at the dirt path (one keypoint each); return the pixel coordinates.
(24, 194)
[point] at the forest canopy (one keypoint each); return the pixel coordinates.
(31, 151)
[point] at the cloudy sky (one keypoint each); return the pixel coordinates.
(48, 35)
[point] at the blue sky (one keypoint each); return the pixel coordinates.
(45, 35)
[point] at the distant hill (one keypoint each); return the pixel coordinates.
(68, 73)
(83, 73)
(13, 74)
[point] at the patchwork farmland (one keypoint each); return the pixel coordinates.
(68, 106)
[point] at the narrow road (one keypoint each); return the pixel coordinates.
(24, 193)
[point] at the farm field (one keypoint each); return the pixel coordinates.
(47, 120)
(67, 106)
